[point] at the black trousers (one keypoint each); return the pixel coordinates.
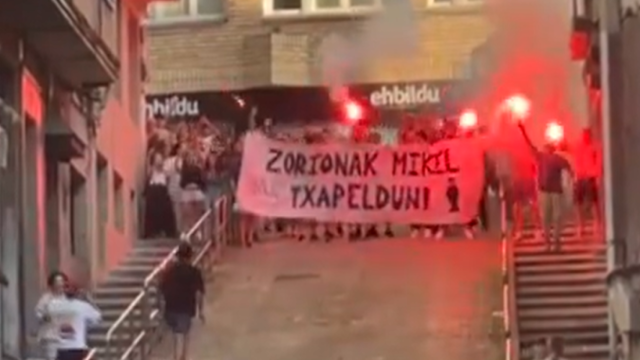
(160, 220)
(71, 354)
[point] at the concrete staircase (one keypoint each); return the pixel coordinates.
(118, 291)
(562, 294)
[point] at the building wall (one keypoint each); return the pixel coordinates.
(248, 50)
(81, 215)
(120, 140)
(47, 220)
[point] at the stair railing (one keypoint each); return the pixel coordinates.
(209, 236)
(512, 341)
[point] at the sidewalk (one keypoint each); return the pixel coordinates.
(396, 299)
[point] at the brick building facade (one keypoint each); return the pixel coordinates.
(213, 45)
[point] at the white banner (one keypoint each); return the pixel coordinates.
(422, 184)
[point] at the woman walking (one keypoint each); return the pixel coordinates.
(160, 219)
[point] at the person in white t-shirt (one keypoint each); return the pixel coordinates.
(47, 333)
(71, 317)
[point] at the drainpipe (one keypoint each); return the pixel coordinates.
(611, 66)
(21, 203)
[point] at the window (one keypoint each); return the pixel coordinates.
(285, 5)
(316, 6)
(185, 9)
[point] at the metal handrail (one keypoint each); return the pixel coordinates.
(152, 276)
(512, 340)
(221, 226)
(512, 344)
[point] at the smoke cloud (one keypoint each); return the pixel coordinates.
(389, 34)
(530, 54)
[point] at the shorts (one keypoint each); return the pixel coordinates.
(586, 191)
(178, 323)
(192, 195)
(71, 354)
(521, 192)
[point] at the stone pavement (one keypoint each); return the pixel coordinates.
(395, 299)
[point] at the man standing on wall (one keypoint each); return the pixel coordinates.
(551, 166)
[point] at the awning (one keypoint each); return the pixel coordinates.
(59, 33)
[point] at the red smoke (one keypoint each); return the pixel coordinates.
(529, 54)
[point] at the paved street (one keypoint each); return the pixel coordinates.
(380, 300)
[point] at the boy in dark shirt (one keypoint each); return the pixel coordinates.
(551, 168)
(182, 288)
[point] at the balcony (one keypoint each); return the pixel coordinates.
(77, 38)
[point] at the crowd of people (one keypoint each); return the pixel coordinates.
(555, 183)
(191, 163)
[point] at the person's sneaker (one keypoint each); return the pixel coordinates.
(439, 234)
(328, 236)
(388, 233)
(415, 233)
(372, 233)
(355, 235)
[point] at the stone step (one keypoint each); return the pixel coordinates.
(156, 243)
(560, 279)
(562, 302)
(151, 251)
(562, 290)
(566, 248)
(548, 258)
(121, 280)
(563, 312)
(118, 303)
(141, 271)
(570, 268)
(142, 261)
(547, 326)
(583, 352)
(114, 314)
(568, 234)
(589, 337)
(119, 292)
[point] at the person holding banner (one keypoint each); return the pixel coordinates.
(551, 168)
(248, 222)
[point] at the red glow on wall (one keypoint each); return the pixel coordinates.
(32, 97)
(579, 45)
